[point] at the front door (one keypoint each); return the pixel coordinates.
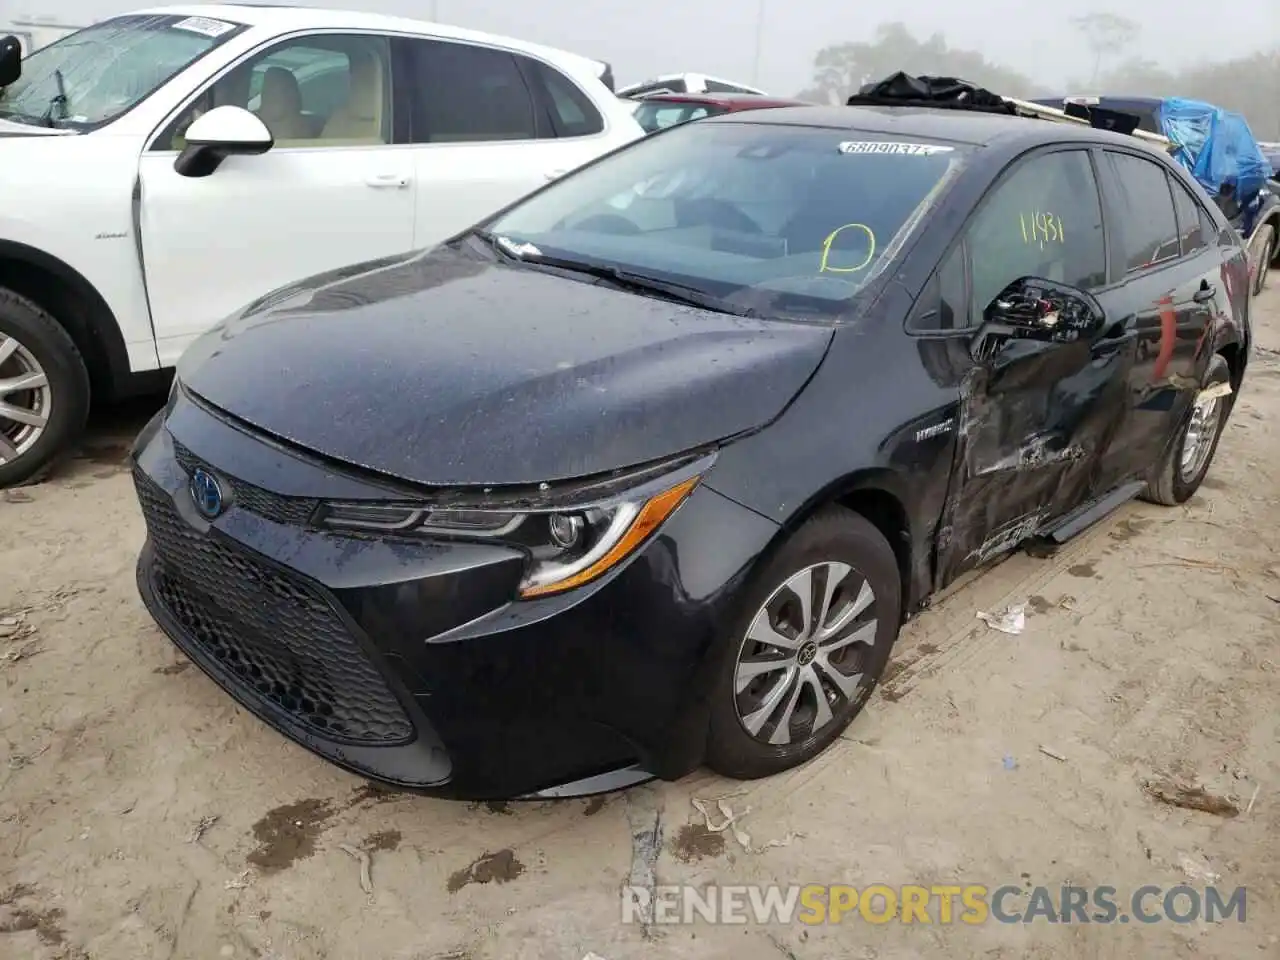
(1036, 415)
(331, 192)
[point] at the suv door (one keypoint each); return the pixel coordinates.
(332, 191)
(1034, 414)
(489, 126)
(1171, 287)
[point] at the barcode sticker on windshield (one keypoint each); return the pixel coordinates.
(204, 26)
(892, 146)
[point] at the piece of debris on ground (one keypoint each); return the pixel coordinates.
(1189, 797)
(1012, 620)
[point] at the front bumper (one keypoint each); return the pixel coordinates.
(409, 662)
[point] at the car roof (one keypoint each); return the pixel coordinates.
(724, 99)
(282, 18)
(973, 127)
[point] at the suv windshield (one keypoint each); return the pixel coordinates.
(90, 77)
(780, 220)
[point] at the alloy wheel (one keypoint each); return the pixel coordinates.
(1197, 442)
(26, 400)
(802, 658)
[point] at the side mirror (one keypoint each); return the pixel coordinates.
(10, 60)
(222, 132)
(1044, 310)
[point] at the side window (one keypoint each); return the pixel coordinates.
(951, 293)
(463, 93)
(1044, 219)
(1148, 226)
(943, 306)
(573, 113)
(1208, 227)
(716, 86)
(1190, 219)
(320, 91)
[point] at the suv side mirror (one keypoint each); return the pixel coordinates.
(10, 60)
(222, 132)
(1044, 310)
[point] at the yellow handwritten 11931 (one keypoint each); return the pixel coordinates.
(1041, 228)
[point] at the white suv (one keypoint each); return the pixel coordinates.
(160, 170)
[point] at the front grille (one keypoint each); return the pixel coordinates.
(294, 511)
(266, 631)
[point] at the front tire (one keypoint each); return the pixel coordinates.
(810, 641)
(1192, 451)
(44, 389)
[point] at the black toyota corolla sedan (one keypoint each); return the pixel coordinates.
(646, 470)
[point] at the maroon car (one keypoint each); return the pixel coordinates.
(660, 110)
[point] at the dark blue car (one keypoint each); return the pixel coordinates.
(646, 470)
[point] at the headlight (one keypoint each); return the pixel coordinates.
(568, 546)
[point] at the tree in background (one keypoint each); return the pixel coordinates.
(1107, 35)
(1247, 85)
(842, 69)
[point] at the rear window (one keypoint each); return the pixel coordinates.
(655, 115)
(783, 220)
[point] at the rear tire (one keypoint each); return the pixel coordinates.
(1182, 472)
(775, 721)
(37, 424)
(1269, 246)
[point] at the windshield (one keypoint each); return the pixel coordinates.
(776, 219)
(658, 114)
(92, 76)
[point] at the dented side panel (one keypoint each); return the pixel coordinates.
(1035, 420)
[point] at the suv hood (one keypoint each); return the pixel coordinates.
(450, 369)
(11, 128)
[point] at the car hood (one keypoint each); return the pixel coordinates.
(450, 369)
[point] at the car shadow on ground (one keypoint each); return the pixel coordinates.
(104, 449)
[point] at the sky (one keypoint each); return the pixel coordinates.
(719, 36)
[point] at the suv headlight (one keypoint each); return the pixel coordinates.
(568, 545)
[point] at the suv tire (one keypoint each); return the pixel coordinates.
(35, 349)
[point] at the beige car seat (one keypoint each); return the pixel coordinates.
(359, 120)
(281, 106)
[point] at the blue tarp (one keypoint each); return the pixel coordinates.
(1217, 146)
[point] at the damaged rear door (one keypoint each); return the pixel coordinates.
(1037, 410)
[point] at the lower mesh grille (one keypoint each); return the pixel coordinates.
(270, 633)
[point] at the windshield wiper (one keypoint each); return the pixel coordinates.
(59, 99)
(524, 252)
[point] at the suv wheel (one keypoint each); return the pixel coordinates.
(1192, 451)
(44, 389)
(808, 646)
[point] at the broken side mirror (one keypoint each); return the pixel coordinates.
(10, 60)
(1036, 309)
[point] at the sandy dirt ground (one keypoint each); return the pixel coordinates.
(144, 815)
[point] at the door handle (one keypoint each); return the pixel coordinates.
(556, 174)
(388, 181)
(1206, 292)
